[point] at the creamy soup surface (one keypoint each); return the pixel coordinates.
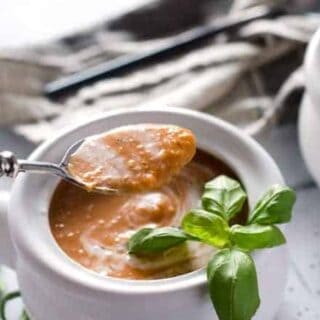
(93, 229)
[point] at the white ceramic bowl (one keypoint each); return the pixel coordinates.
(309, 117)
(54, 287)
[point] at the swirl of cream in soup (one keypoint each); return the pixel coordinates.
(93, 229)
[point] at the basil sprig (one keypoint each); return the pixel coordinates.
(231, 272)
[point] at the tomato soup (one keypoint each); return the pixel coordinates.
(93, 229)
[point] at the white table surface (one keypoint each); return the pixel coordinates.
(302, 296)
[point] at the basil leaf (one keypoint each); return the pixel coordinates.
(233, 285)
(151, 240)
(224, 197)
(275, 206)
(256, 236)
(206, 227)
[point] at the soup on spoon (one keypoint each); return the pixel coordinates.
(132, 158)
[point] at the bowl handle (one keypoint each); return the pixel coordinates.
(7, 251)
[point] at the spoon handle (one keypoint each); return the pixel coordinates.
(10, 166)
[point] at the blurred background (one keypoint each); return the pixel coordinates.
(251, 75)
(25, 22)
(33, 21)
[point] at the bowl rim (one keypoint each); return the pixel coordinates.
(89, 280)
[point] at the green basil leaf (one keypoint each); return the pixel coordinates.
(275, 206)
(224, 197)
(206, 227)
(233, 285)
(256, 236)
(154, 240)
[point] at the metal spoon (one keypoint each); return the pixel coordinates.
(10, 166)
